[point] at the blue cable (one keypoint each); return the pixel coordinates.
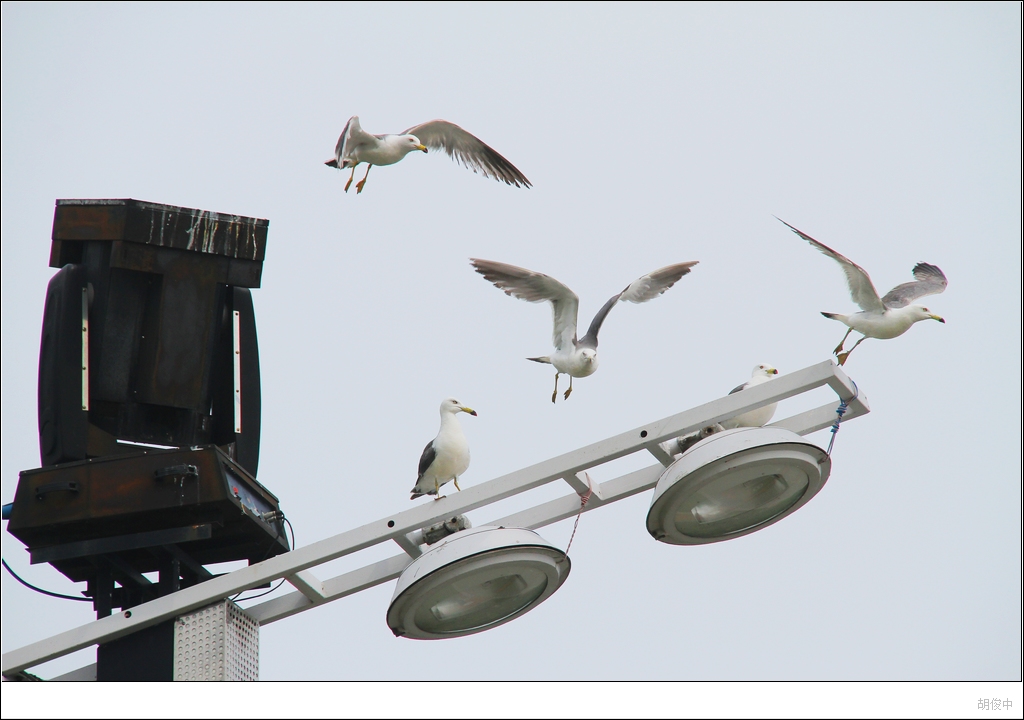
(840, 411)
(40, 590)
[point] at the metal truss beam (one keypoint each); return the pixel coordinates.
(402, 527)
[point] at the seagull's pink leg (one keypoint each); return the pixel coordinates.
(842, 356)
(359, 185)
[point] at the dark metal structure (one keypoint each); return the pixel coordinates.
(157, 287)
(149, 403)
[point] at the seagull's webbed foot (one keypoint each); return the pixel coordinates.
(567, 392)
(555, 393)
(350, 178)
(842, 356)
(839, 347)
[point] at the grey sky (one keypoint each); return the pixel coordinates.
(653, 134)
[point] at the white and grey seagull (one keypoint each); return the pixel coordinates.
(574, 357)
(760, 416)
(445, 457)
(358, 146)
(886, 317)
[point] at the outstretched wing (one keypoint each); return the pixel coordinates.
(536, 287)
(469, 150)
(929, 280)
(861, 289)
(640, 290)
(352, 138)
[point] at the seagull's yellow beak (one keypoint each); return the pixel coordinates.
(773, 371)
(936, 317)
(469, 410)
(424, 149)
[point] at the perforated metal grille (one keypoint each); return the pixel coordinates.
(219, 642)
(242, 660)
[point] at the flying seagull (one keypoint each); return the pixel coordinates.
(886, 317)
(358, 146)
(760, 416)
(446, 456)
(575, 358)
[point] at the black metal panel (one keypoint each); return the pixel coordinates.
(117, 327)
(245, 446)
(121, 543)
(63, 424)
(144, 656)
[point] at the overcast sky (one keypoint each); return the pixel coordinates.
(653, 134)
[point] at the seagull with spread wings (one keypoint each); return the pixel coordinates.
(886, 317)
(574, 357)
(358, 146)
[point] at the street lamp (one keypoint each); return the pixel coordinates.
(735, 483)
(475, 580)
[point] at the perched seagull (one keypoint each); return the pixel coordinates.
(688, 441)
(575, 358)
(446, 456)
(760, 416)
(883, 318)
(357, 146)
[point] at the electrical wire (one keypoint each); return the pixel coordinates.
(281, 582)
(583, 503)
(40, 590)
(29, 585)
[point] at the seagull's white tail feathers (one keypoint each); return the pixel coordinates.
(835, 316)
(545, 359)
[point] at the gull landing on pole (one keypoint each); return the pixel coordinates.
(886, 317)
(358, 146)
(574, 357)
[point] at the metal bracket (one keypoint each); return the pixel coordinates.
(177, 471)
(69, 485)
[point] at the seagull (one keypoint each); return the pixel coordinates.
(760, 416)
(356, 145)
(688, 441)
(575, 358)
(446, 456)
(886, 317)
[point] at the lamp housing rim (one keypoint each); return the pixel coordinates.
(730, 451)
(468, 550)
